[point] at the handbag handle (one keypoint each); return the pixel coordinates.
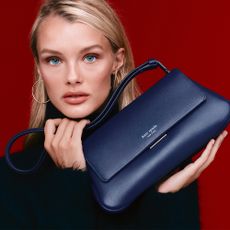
(150, 64)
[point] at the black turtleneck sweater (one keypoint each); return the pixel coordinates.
(54, 198)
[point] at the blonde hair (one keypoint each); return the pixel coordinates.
(95, 13)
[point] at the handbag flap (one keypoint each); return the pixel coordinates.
(141, 124)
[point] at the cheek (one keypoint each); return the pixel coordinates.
(52, 85)
(102, 84)
(52, 77)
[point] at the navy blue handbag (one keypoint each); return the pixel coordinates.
(149, 138)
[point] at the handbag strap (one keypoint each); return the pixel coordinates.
(150, 64)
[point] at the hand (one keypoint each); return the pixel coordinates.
(192, 171)
(63, 142)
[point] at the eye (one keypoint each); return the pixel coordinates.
(90, 58)
(54, 61)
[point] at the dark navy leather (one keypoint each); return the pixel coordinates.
(150, 137)
(138, 126)
(121, 163)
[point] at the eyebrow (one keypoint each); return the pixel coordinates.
(81, 51)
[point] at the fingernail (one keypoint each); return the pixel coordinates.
(212, 141)
(225, 133)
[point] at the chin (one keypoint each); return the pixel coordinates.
(77, 113)
(80, 111)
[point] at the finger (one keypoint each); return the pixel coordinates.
(59, 133)
(196, 165)
(60, 142)
(78, 129)
(77, 143)
(214, 150)
(51, 126)
(49, 131)
(219, 141)
(67, 133)
(206, 158)
(63, 146)
(189, 173)
(178, 180)
(186, 175)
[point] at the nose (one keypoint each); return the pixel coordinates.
(73, 75)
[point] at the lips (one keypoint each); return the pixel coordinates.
(75, 98)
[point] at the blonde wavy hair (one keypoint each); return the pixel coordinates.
(95, 13)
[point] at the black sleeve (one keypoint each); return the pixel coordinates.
(13, 213)
(178, 210)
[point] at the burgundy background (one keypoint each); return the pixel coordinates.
(190, 35)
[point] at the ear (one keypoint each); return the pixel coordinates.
(119, 59)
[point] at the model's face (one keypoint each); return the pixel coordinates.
(75, 62)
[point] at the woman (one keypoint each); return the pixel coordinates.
(81, 53)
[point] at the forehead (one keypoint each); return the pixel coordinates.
(58, 33)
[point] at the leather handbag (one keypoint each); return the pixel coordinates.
(145, 141)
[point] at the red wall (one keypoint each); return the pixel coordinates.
(190, 35)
